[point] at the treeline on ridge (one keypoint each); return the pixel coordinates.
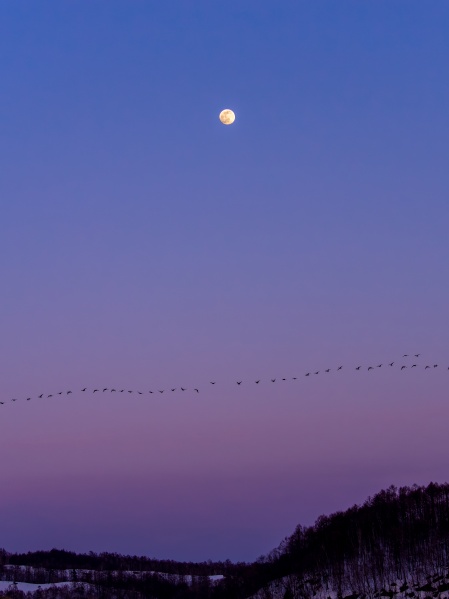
(396, 534)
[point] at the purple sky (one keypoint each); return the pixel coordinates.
(144, 245)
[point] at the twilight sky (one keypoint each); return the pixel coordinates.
(143, 245)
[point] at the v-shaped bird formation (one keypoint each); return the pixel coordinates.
(269, 380)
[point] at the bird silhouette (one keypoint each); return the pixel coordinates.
(41, 395)
(160, 391)
(122, 390)
(435, 365)
(257, 382)
(405, 356)
(212, 382)
(59, 392)
(112, 390)
(426, 367)
(317, 372)
(370, 368)
(95, 390)
(328, 370)
(174, 389)
(129, 391)
(182, 389)
(413, 365)
(307, 374)
(391, 363)
(417, 355)
(50, 395)
(2, 402)
(105, 389)
(340, 367)
(140, 392)
(69, 392)
(273, 380)
(239, 382)
(402, 367)
(196, 390)
(150, 391)
(379, 366)
(358, 367)
(28, 398)
(84, 389)
(284, 379)
(14, 399)
(295, 378)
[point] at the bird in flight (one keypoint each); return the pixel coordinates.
(182, 389)
(417, 355)
(273, 380)
(196, 390)
(174, 389)
(160, 391)
(41, 395)
(50, 395)
(68, 392)
(317, 372)
(413, 365)
(358, 367)
(28, 398)
(402, 367)
(212, 382)
(105, 389)
(370, 368)
(379, 366)
(112, 390)
(295, 378)
(84, 389)
(405, 356)
(391, 363)
(95, 390)
(239, 382)
(257, 382)
(328, 370)
(426, 367)
(340, 367)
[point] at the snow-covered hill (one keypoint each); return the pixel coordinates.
(434, 586)
(19, 577)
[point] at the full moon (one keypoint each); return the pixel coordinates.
(227, 116)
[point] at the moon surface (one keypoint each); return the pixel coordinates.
(227, 116)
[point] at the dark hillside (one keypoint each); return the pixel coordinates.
(399, 534)
(393, 534)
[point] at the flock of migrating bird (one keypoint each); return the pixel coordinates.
(196, 390)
